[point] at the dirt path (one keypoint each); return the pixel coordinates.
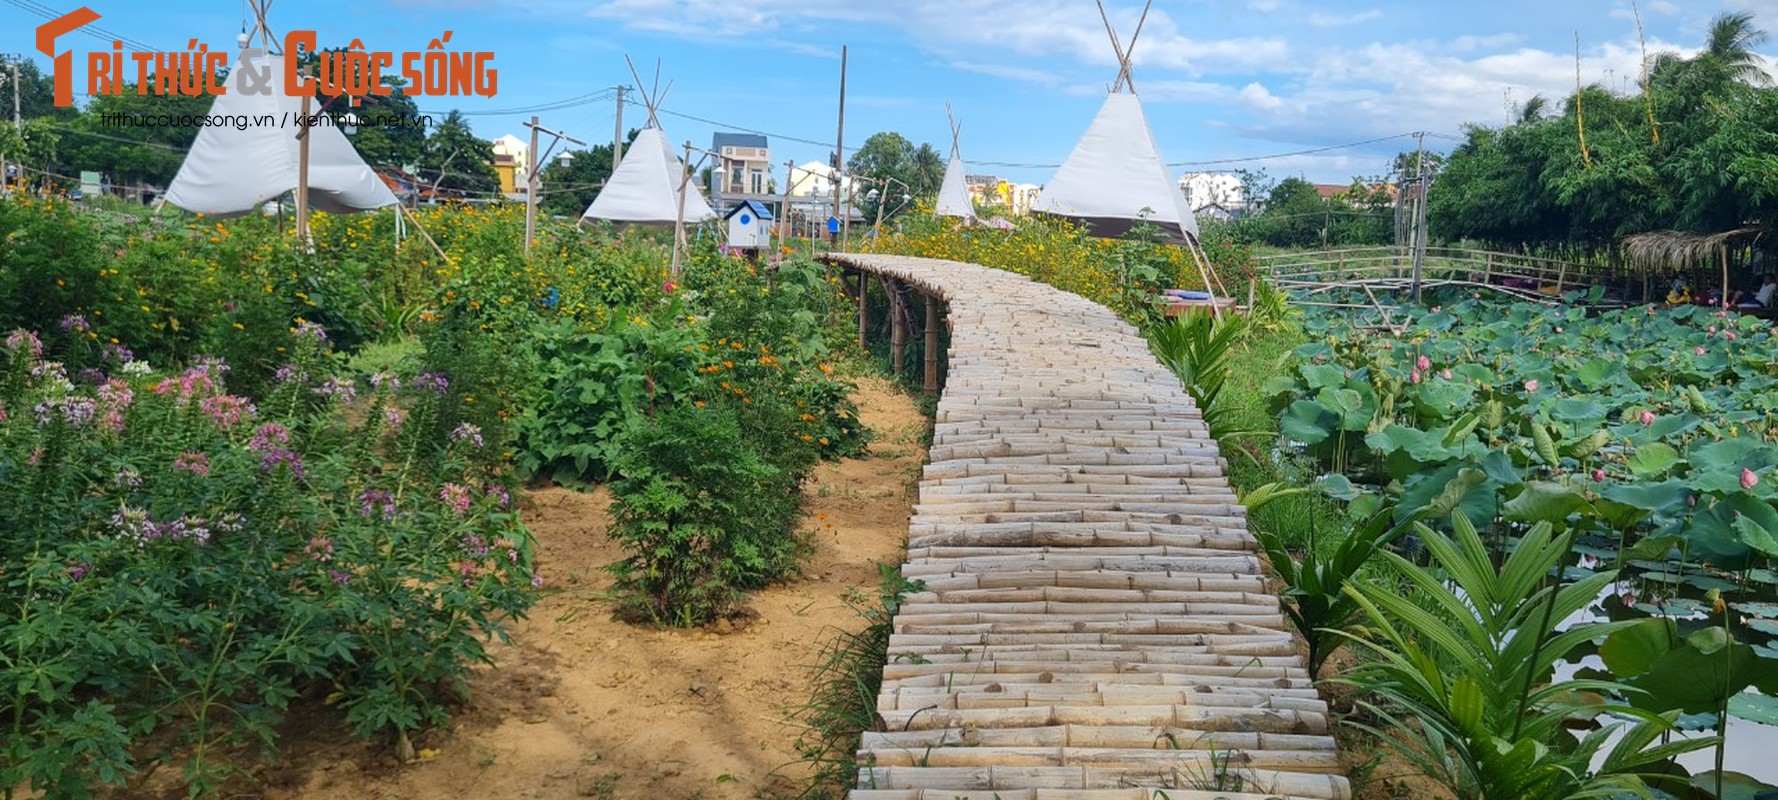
(582, 706)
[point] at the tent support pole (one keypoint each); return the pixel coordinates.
(423, 234)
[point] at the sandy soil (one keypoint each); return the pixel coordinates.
(582, 706)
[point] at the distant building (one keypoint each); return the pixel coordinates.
(511, 154)
(1217, 194)
(744, 165)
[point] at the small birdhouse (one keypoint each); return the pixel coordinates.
(749, 226)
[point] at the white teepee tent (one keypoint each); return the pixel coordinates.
(1116, 177)
(953, 193)
(234, 170)
(646, 188)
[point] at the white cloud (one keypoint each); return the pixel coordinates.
(1261, 98)
(1321, 19)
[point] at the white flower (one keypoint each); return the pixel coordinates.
(136, 368)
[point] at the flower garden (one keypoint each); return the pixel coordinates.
(245, 478)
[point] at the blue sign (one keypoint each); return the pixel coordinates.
(833, 224)
(746, 220)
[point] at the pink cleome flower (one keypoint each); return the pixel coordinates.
(457, 497)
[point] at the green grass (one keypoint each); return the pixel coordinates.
(1256, 460)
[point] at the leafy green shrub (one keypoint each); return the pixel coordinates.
(703, 514)
(595, 385)
(51, 259)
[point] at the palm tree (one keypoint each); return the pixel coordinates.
(1729, 49)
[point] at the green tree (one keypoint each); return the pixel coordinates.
(895, 165)
(393, 136)
(149, 154)
(454, 160)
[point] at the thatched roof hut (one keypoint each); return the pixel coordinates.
(1676, 252)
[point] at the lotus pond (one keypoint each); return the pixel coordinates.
(1647, 433)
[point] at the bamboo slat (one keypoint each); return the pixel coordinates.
(1093, 623)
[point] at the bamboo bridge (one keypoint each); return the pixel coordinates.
(1095, 623)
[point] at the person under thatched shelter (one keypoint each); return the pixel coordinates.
(1680, 253)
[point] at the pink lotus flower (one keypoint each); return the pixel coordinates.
(1725, 304)
(1628, 598)
(1711, 329)
(1748, 479)
(1558, 329)
(1423, 363)
(1446, 374)
(1698, 350)
(1414, 376)
(1648, 417)
(1729, 334)
(1531, 385)
(1599, 475)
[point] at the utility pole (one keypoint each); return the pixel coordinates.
(531, 186)
(784, 208)
(839, 144)
(302, 173)
(16, 124)
(533, 181)
(685, 170)
(617, 134)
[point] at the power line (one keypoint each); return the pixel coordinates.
(95, 31)
(554, 105)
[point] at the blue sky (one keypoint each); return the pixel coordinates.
(1220, 79)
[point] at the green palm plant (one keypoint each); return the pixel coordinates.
(1460, 676)
(1197, 348)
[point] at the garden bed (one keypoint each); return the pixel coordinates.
(581, 705)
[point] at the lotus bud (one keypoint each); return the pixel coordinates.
(1748, 479)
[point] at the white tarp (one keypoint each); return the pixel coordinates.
(953, 194)
(234, 170)
(1116, 176)
(645, 188)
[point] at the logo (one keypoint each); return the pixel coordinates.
(63, 62)
(353, 72)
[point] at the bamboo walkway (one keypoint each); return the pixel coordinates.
(1095, 624)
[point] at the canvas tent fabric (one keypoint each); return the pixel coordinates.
(1116, 177)
(231, 170)
(645, 188)
(953, 193)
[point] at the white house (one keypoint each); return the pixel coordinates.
(1204, 190)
